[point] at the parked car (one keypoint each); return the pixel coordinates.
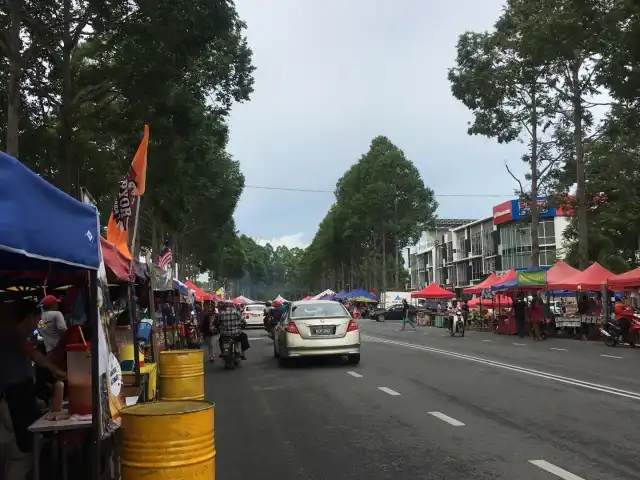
(394, 312)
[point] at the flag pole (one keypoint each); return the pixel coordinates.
(133, 311)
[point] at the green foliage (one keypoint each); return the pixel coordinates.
(614, 206)
(98, 72)
(271, 272)
(382, 205)
(539, 74)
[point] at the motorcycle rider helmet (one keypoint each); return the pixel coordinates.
(268, 304)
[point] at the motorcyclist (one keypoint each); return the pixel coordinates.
(624, 313)
(229, 323)
(267, 313)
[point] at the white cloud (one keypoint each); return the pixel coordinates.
(289, 241)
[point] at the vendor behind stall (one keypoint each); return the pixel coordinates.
(52, 326)
(18, 403)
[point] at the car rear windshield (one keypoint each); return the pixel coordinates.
(255, 308)
(316, 310)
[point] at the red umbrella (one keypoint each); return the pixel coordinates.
(433, 291)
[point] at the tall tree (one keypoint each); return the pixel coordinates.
(382, 204)
(507, 92)
(569, 38)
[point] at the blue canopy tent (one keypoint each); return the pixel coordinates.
(45, 235)
(41, 224)
(341, 295)
(356, 293)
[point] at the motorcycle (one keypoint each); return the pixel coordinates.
(231, 352)
(457, 325)
(612, 334)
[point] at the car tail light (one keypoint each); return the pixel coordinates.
(291, 328)
(246, 315)
(352, 326)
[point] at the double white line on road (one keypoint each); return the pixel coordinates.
(515, 368)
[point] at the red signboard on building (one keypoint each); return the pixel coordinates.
(503, 213)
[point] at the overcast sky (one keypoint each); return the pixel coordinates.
(333, 74)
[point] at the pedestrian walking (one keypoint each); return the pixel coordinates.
(207, 329)
(536, 315)
(520, 312)
(406, 318)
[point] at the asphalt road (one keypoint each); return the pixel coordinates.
(424, 405)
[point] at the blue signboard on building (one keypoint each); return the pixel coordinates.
(521, 209)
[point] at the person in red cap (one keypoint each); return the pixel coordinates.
(52, 326)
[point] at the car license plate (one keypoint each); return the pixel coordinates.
(323, 330)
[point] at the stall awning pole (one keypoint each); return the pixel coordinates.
(96, 424)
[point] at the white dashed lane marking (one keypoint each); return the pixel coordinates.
(557, 471)
(559, 349)
(519, 344)
(389, 391)
(447, 418)
(611, 356)
(354, 374)
(488, 341)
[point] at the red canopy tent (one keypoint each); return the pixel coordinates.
(511, 274)
(433, 291)
(115, 261)
(624, 281)
(593, 278)
(498, 300)
(486, 283)
(200, 294)
(559, 272)
(308, 297)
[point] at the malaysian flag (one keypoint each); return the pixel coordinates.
(165, 256)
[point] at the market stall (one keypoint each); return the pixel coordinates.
(531, 280)
(435, 292)
(593, 279)
(32, 254)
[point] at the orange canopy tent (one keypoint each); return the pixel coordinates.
(625, 281)
(486, 283)
(593, 278)
(433, 291)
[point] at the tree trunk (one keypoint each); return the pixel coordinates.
(15, 73)
(154, 237)
(66, 125)
(395, 218)
(384, 262)
(583, 245)
(535, 211)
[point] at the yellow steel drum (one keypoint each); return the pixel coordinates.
(169, 441)
(181, 375)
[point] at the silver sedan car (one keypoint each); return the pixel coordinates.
(316, 328)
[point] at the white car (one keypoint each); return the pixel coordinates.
(316, 328)
(253, 315)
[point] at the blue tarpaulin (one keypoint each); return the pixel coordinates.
(39, 223)
(180, 287)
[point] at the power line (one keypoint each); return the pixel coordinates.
(311, 190)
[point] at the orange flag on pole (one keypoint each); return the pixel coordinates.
(131, 186)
